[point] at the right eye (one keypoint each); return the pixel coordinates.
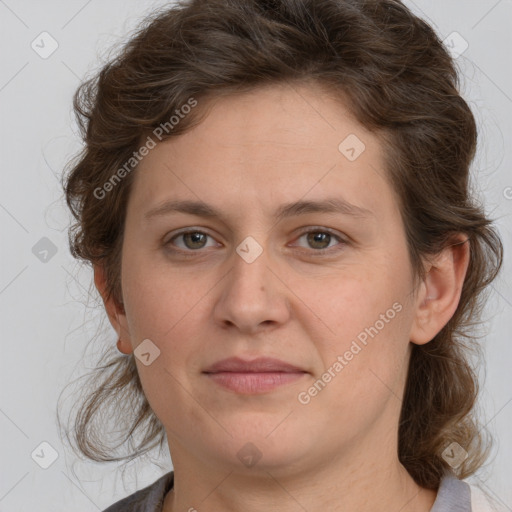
(193, 240)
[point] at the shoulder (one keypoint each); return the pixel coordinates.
(456, 495)
(149, 499)
(482, 501)
(453, 495)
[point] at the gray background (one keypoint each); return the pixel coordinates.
(49, 310)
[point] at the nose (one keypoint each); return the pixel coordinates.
(253, 298)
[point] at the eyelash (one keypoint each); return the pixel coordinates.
(317, 252)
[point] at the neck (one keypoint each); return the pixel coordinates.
(340, 486)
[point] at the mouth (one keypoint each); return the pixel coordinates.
(253, 377)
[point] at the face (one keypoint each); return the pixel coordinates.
(297, 253)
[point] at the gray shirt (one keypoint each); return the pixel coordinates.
(453, 496)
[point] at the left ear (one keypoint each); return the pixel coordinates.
(439, 293)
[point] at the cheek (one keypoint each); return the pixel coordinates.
(373, 343)
(161, 307)
(368, 314)
(346, 304)
(158, 298)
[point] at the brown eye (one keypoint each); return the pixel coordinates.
(194, 240)
(319, 239)
(190, 240)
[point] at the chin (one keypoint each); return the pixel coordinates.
(264, 446)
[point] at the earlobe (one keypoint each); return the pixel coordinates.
(123, 347)
(439, 294)
(115, 312)
(100, 282)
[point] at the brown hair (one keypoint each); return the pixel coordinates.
(397, 78)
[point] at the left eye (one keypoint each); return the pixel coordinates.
(320, 240)
(193, 239)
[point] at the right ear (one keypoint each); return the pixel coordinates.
(115, 311)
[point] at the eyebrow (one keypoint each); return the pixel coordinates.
(201, 209)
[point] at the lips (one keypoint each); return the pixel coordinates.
(259, 365)
(262, 375)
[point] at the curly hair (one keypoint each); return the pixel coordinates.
(398, 80)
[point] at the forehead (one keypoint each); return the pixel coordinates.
(271, 145)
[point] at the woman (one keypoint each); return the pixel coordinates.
(274, 198)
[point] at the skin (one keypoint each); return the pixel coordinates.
(251, 154)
